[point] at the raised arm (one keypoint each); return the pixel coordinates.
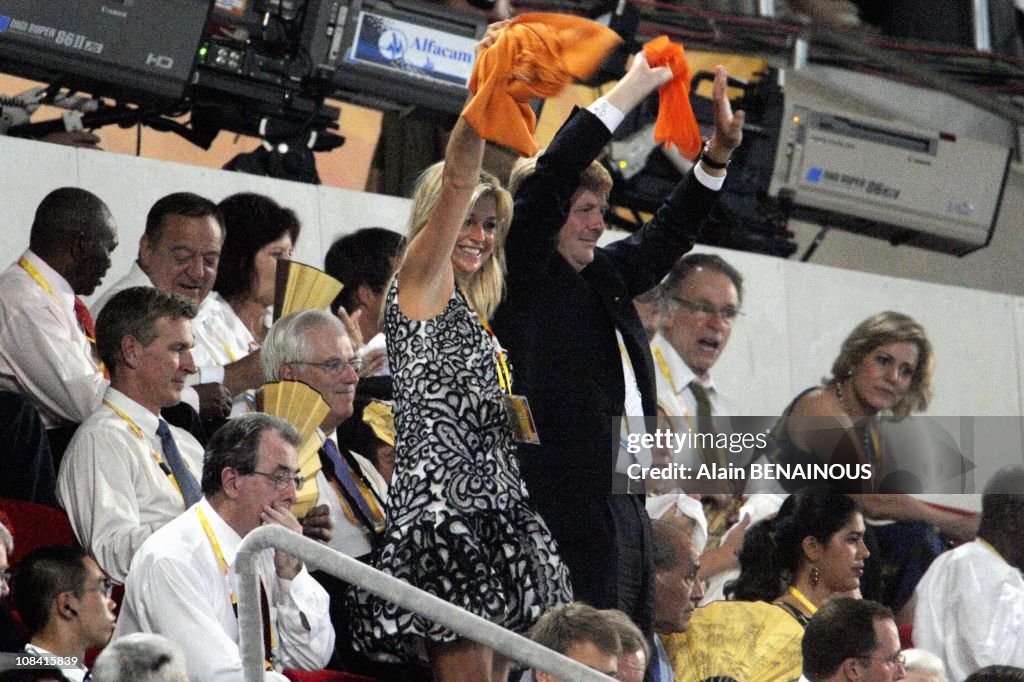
(426, 278)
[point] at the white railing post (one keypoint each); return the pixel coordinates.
(318, 556)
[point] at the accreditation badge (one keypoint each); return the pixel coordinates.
(521, 419)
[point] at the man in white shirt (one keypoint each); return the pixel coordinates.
(313, 347)
(126, 471)
(179, 253)
(64, 600)
(970, 603)
(702, 295)
(852, 640)
(46, 336)
(182, 582)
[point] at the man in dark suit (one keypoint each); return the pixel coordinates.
(567, 313)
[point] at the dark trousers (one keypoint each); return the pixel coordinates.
(28, 465)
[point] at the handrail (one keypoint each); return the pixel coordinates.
(319, 556)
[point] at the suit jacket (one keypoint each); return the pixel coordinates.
(559, 325)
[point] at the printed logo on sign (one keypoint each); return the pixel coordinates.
(814, 174)
(5, 22)
(392, 44)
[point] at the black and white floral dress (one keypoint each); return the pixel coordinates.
(459, 521)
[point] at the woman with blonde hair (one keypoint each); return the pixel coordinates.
(884, 370)
(460, 524)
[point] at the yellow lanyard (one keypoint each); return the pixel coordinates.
(41, 281)
(38, 277)
(991, 548)
(663, 367)
(224, 569)
(156, 455)
(804, 601)
(500, 362)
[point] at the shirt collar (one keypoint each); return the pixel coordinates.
(65, 294)
(143, 418)
(226, 536)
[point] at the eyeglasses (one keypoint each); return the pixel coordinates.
(281, 479)
(106, 588)
(728, 313)
(898, 659)
(336, 365)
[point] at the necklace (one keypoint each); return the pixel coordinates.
(842, 398)
(866, 432)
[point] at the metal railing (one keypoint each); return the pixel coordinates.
(318, 556)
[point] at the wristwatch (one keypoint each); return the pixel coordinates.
(706, 159)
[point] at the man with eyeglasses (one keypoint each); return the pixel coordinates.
(127, 471)
(64, 601)
(702, 295)
(183, 585)
(313, 347)
(47, 349)
(851, 640)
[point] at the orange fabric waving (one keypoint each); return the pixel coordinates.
(676, 123)
(535, 55)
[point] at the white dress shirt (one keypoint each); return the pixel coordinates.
(44, 354)
(674, 377)
(970, 610)
(72, 674)
(348, 537)
(176, 588)
(221, 338)
(112, 487)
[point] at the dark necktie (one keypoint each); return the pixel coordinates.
(355, 493)
(186, 481)
(709, 453)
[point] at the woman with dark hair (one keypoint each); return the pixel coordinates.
(258, 233)
(810, 552)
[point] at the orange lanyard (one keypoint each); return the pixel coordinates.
(500, 362)
(227, 577)
(156, 455)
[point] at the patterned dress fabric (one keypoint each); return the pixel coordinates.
(459, 521)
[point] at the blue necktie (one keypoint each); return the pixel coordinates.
(346, 477)
(186, 481)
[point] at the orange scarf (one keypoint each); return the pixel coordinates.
(535, 55)
(676, 124)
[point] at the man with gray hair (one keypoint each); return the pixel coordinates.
(127, 471)
(182, 582)
(976, 590)
(142, 657)
(313, 347)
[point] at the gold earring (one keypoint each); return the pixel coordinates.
(815, 576)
